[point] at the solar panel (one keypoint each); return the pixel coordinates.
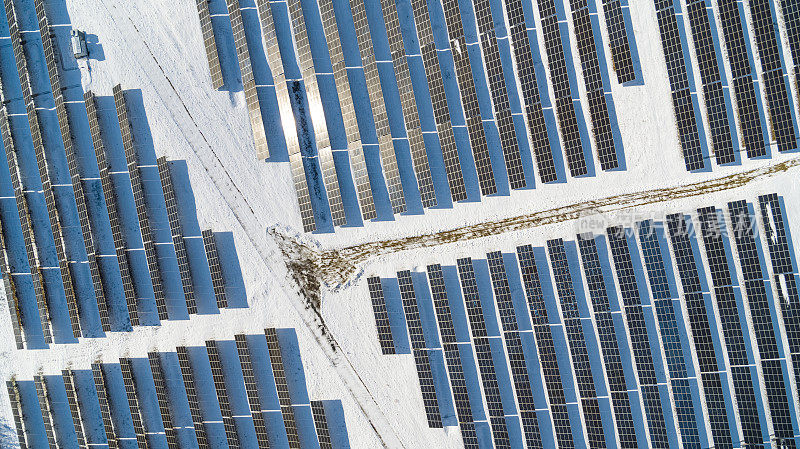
(210, 244)
(516, 356)
(381, 315)
(210, 44)
(618, 41)
(163, 399)
(16, 411)
(306, 63)
(701, 328)
(272, 51)
(595, 85)
(421, 353)
(709, 63)
(44, 406)
(321, 425)
(133, 402)
(191, 394)
(111, 204)
(11, 295)
(773, 74)
(637, 329)
(139, 199)
(248, 82)
(251, 388)
(452, 356)
(791, 19)
(177, 233)
(775, 233)
(483, 352)
(276, 360)
(607, 333)
(565, 109)
(44, 172)
(466, 84)
(678, 80)
(222, 394)
(69, 386)
(102, 398)
(419, 157)
(743, 78)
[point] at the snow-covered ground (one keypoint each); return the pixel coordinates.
(155, 46)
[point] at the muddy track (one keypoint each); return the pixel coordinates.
(337, 268)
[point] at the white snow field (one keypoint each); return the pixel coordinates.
(155, 46)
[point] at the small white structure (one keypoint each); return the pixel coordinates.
(79, 44)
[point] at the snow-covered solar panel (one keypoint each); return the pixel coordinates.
(44, 171)
(163, 399)
(421, 352)
(251, 388)
(791, 19)
(419, 156)
(324, 152)
(577, 343)
(72, 161)
(218, 282)
(16, 412)
(554, 43)
(618, 41)
(272, 51)
(607, 334)
(773, 73)
(596, 87)
(545, 346)
(285, 401)
(637, 329)
(177, 234)
(358, 164)
(139, 198)
(102, 398)
(11, 294)
(466, 83)
(708, 60)
(381, 315)
(709, 361)
(679, 84)
(68, 376)
(775, 233)
(110, 198)
(743, 76)
(44, 407)
(191, 394)
(483, 352)
(133, 402)
(452, 355)
(526, 72)
(670, 334)
(514, 347)
(210, 44)
(321, 425)
(248, 82)
(222, 394)
(497, 88)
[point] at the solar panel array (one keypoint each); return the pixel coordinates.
(126, 403)
(11, 294)
(618, 41)
(210, 43)
(44, 174)
(218, 282)
(663, 321)
(381, 315)
(173, 215)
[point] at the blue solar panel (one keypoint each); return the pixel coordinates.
(618, 41)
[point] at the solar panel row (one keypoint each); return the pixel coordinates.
(618, 41)
(321, 425)
(466, 82)
(210, 43)
(44, 406)
(133, 402)
(16, 411)
(110, 197)
(554, 42)
(381, 315)
(68, 376)
(222, 394)
(251, 389)
(11, 293)
(284, 399)
(102, 400)
(324, 152)
(173, 215)
(187, 375)
(163, 399)
(217, 281)
(72, 162)
(131, 158)
(20, 56)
